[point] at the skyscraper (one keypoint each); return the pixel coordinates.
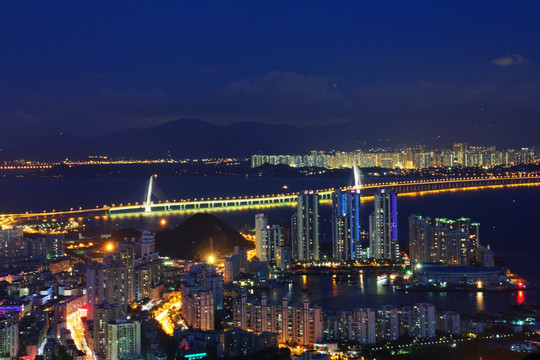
(103, 314)
(9, 338)
(420, 243)
(383, 235)
(123, 339)
(261, 222)
(305, 227)
(346, 225)
(444, 241)
(272, 238)
(202, 294)
(387, 323)
(111, 282)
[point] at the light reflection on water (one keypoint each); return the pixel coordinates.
(520, 299)
(480, 301)
(333, 294)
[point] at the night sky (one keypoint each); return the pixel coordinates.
(92, 68)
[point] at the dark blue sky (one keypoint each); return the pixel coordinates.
(89, 68)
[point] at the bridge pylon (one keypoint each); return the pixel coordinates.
(357, 178)
(148, 200)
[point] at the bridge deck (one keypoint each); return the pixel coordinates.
(243, 202)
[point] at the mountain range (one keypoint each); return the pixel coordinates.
(185, 138)
(193, 138)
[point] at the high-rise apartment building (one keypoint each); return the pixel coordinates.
(9, 338)
(451, 242)
(346, 232)
(146, 244)
(449, 322)
(123, 339)
(418, 320)
(12, 243)
(421, 249)
(202, 294)
(110, 282)
(231, 268)
(295, 323)
(103, 314)
(283, 257)
(305, 228)
(357, 325)
(241, 251)
(261, 222)
(383, 235)
(387, 323)
(272, 238)
(198, 309)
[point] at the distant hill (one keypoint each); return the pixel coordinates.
(193, 138)
(188, 138)
(198, 237)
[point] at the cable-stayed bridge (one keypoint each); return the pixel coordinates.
(409, 186)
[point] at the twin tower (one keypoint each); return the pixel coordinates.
(349, 242)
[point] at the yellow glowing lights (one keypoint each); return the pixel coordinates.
(109, 247)
(163, 222)
(269, 201)
(211, 259)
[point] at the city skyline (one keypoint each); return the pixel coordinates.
(269, 180)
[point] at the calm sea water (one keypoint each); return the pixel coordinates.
(509, 220)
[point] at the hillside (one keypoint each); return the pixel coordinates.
(198, 237)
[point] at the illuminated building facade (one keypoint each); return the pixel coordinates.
(103, 314)
(9, 338)
(346, 232)
(387, 323)
(147, 275)
(12, 243)
(445, 241)
(232, 268)
(110, 282)
(272, 237)
(283, 257)
(383, 235)
(202, 294)
(123, 339)
(357, 325)
(406, 158)
(295, 323)
(305, 228)
(261, 248)
(449, 322)
(418, 321)
(198, 309)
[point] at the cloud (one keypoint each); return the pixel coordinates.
(510, 60)
(208, 70)
(22, 115)
(285, 98)
(286, 88)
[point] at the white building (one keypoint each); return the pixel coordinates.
(124, 340)
(261, 222)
